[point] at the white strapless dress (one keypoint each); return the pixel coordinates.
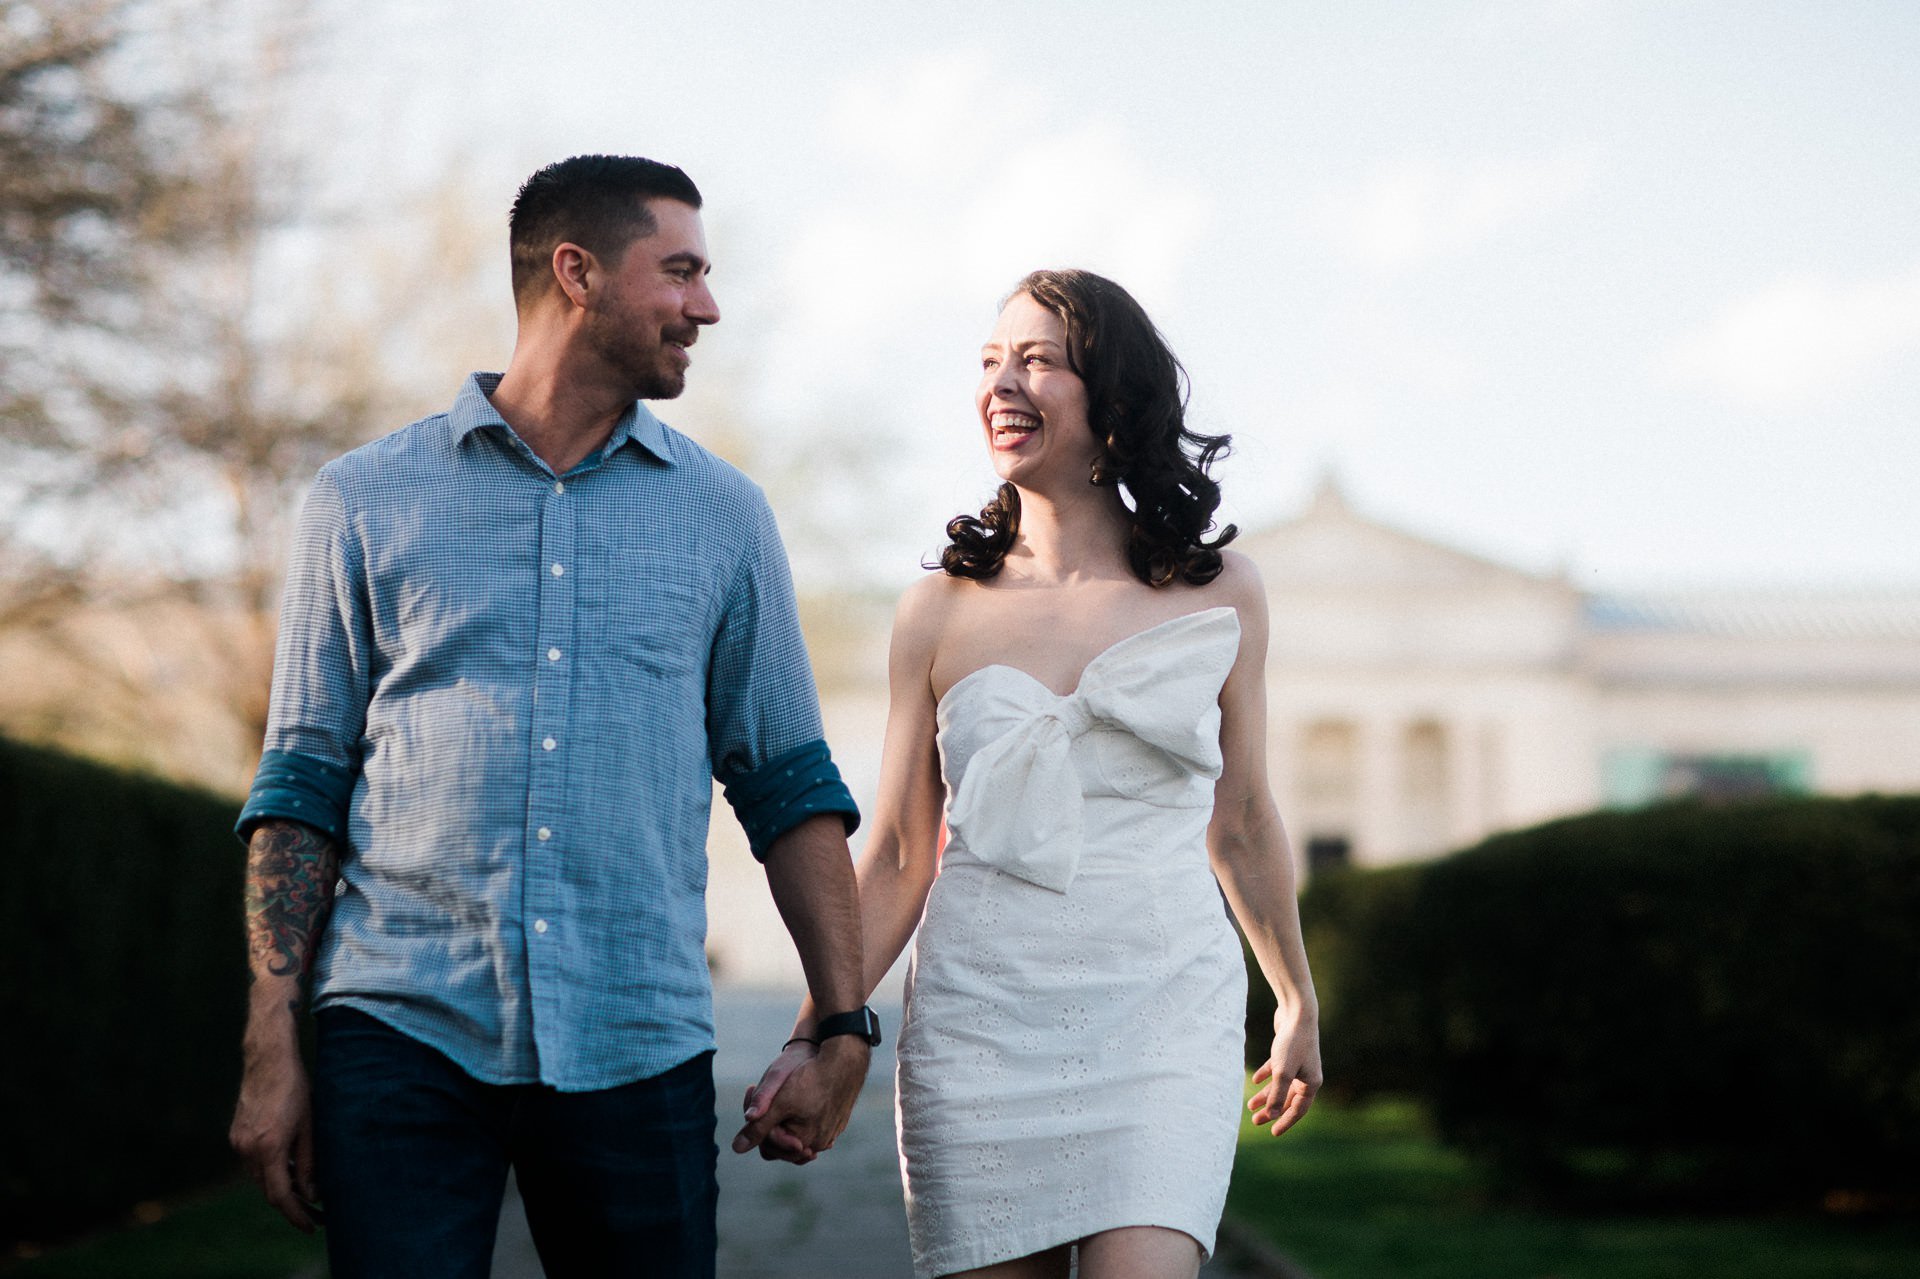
(1070, 1058)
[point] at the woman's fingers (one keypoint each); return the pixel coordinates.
(1288, 1094)
(1299, 1099)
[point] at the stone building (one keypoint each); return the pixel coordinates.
(1421, 698)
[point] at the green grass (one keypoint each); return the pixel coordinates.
(1367, 1193)
(228, 1233)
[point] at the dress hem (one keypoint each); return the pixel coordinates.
(1039, 1238)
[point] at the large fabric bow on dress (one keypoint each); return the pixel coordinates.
(1018, 807)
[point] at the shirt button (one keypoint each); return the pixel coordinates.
(539, 925)
(548, 745)
(545, 834)
(559, 570)
(558, 487)
(553, 655)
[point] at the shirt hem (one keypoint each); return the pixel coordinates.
(383, 1010)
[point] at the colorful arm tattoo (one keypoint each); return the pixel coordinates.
(290, 874)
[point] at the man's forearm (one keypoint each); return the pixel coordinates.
(290, 877)
(811, 875)
(812, 878)
(291, 869)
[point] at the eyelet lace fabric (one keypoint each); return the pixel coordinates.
(1070, 1059)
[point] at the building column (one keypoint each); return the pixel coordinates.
(1377, 824)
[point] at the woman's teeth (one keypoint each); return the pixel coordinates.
(1013, 427)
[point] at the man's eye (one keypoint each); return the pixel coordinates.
(989, 363)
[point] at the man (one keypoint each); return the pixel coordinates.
(518, 638)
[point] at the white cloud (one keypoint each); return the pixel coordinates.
(1801, 337)
(1420, 210)
(950, 186)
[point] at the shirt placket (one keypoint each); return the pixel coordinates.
(547, 831)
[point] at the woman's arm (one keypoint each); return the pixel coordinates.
(895, 868)
(1254, 864)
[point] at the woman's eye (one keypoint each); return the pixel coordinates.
(989, 363)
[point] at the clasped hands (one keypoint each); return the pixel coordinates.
(801, 1104)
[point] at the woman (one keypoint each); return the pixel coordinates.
(1083, 686)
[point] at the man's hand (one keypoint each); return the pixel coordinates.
(273, 1133)
(801, 1105)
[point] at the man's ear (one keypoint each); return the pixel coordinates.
(574, 268)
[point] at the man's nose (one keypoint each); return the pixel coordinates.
(701, 308)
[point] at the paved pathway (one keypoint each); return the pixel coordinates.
(840, 1217)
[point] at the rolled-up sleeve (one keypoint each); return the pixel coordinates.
(763, 712)
(321, 676)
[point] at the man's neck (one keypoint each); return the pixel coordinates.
(561, 416)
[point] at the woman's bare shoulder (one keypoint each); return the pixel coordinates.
(925, 609)
(929, 597)
(1239, 586)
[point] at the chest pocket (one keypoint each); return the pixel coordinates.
(652, 611)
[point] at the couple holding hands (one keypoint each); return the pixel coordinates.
(521, 638)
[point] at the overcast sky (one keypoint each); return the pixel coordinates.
(1630, 288)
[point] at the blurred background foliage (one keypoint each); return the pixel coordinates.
(120, 989)
(1687, 1007)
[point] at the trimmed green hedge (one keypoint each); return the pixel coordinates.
(1685, 1005)
(122, 990)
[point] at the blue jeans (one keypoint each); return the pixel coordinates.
(412, 1156)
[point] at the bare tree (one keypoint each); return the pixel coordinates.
(161, 404)
(84, 184)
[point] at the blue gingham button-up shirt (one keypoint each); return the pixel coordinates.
(503, 693)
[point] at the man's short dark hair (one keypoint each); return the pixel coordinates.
(598, 202)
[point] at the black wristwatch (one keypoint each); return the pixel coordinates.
(861, 1022)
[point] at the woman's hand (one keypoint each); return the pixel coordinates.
(779, 1143)
(1291, 1075)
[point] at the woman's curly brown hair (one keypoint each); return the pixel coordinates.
(1136, 404)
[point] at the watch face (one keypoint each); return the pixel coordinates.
(861, 1022)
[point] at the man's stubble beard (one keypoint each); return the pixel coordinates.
(614, 340)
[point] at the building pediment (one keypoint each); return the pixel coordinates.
(1331, 546)
(1353, 592)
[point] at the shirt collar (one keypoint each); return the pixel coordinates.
(472, 410)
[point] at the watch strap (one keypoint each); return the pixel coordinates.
(861, 1022)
